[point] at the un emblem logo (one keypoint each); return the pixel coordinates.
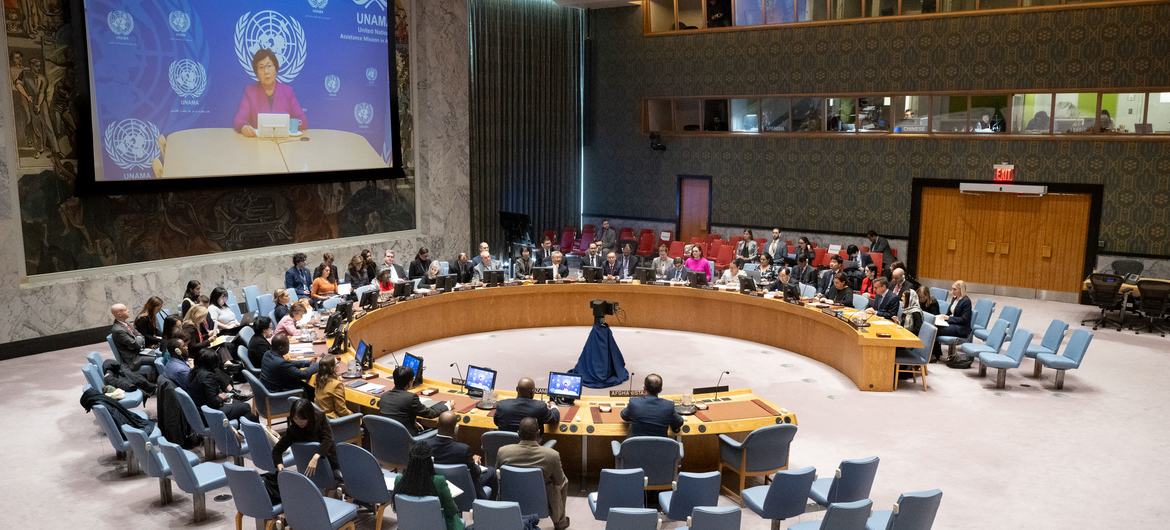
(131, 144)
(368, 3)
(364, 113)
(318, 4)
(371, 74)
(180, 21)
(269, 29)
(188, 78)
(332, 84)
(120, 22)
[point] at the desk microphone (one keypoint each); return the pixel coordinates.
(631, 390)
(395, 357)
(457, 372)
(720, 380)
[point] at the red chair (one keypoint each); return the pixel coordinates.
(711, 238)
(567, 239)
(713, 247)
(696, 240)
(760, 244)
(704, 247)
(676, 249)
(735, 241)
(645, 231)
(877, 260)
(819, 257)
(865, 249)
(626, 233)
(894, 251)
(586, 239)
(550, 234)
(666, 240)
(723, 258)
(844, 255)
(791, 248)
(646, 244)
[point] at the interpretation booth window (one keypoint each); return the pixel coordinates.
(672, 16)
(1116, 114)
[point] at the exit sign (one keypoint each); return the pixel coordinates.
(1005, 173)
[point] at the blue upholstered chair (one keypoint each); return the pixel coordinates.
(95, 358)
(914, 361)
(491, 442)
(118, 441)
(632, 519)
(840, 516)
(245, 335)
(323, 476)
(763, 452)
(617, 488)
(943, 296)
(784, 498)
(1050, 344)
(159, 363)
(304, 507)
(265, 305)
(994, 341)
(347, 428)
(714, 518)
(1011, 314)
(260, 446)
(913, 511)
(365, 480)
(444, 268)
(195, 420)
(496, 515)
(458, 475)
(95, 379)
(242, 353)
(659, 457)
(251, 296)
(292, 295)
(860, 302)
(524, 485)
(271, 405)
(421, 513)
(389, 441)
(807, 291)
(251, 496)
(851, 482)
(691, 490)
(984, 308)
(224, 433)
(1071, 359)
(1009, 359)
(233, 304)
(152, 463)
(196, 480)
(950, 341)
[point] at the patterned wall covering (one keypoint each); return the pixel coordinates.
(63, 232)
(854, 184)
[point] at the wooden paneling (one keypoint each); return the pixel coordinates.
(694, 210)
(1004, 239)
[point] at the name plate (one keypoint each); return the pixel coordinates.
(540, 390)
(457, 381)
(626, 393)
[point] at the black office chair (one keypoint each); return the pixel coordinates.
(1105, 293)
(1155, 300)
(1125, 267)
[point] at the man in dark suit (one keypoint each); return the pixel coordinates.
(447, 451)
(592, 258)
(280, 374)
(880, 244)
(776, 248)
(544, 253)
(628, 261)
(826, 281)
(259, 344)
(885, 303)
(611, 270)
(529, 453)
(509, 412)
(607, 237)
(297, 278)
(651, 415)
(558, 265)
(403, 406)
(397, 274)
(129, 343)
(802, 272)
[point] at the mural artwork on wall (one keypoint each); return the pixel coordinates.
(63, 231)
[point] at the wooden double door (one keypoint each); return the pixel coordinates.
(1004, 240)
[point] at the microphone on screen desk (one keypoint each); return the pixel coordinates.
(457, 372)
(631, 390)
(718, 382)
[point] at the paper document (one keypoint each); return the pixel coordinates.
(940, 321)
(370, 388)
(301, 347)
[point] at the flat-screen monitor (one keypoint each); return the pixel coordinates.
(445, 283)
(645, 275)
(747, 284)
(415, 363)
(403, 289)
(185, 90)
(542, 274)
(697, 278)
(791, 291)
(361, 352)
(369, 299)
(564, 385)
(591, 274)
(479, 380)
(493, 278)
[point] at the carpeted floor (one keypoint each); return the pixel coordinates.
(1025, 457)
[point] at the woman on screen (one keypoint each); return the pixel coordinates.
(266, 96)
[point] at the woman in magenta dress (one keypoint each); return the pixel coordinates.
(266, 96)
(698, 263)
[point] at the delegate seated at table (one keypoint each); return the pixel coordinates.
(267, 95)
